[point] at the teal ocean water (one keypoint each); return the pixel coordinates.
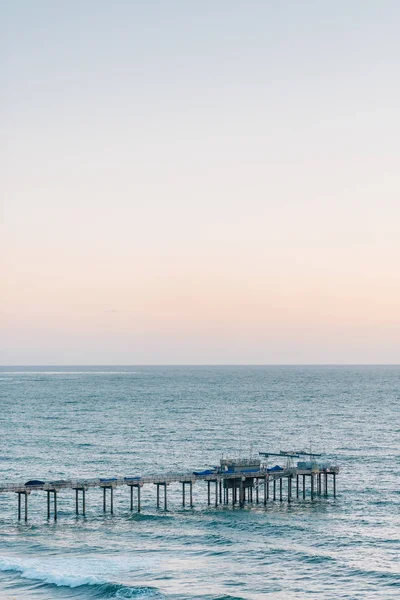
(60, 422)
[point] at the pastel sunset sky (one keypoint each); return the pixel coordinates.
(211, 182)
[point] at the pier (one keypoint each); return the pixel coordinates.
(234, 482)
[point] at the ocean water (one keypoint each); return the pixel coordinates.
(104, 421)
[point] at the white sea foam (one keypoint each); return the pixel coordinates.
(73, 571)
(31, 570)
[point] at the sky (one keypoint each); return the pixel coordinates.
(211, 182)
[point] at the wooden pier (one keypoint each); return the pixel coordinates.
(236, 482)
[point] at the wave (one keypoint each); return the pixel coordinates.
(52, 577)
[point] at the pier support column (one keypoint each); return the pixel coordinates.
(131, 494)
(297, 486)
(326, 484)
(216, 493)
(220, 491)
(48, 505)
(183, 493)
(274, 488)
(55, 505)
(319, 484)
(312, 487)
(111, 499)
(304, 487)
(165, 496)
(289, 493)
(208, 493)
(257, 492)
(138, 499)
(265, 491)
(191, 494)
(19, 505)
(280, 489)
(158, 495)
(334, 485)
(77, 490)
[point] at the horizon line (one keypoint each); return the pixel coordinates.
(204, 365)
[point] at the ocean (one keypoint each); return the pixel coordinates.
(60, 422)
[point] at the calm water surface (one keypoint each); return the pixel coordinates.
(105, 421)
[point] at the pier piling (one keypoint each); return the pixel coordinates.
(25, 494)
